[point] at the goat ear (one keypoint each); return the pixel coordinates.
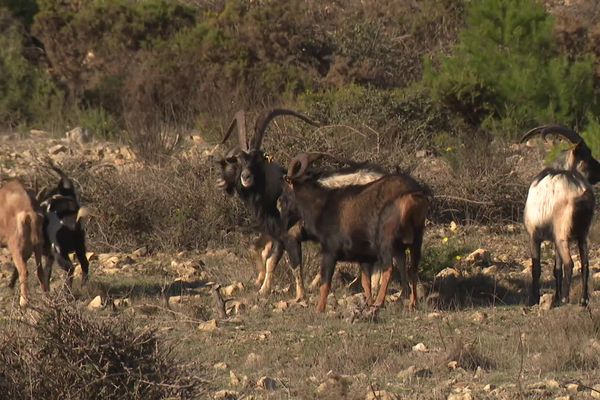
(294, 169)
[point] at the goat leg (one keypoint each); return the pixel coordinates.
(272, 262)
(85, 265)
(562, 247)
(536, 270)
(365, 280)
(327, 269)
(585, 271)
(558, 278)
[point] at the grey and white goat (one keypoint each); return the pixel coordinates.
(559, 208)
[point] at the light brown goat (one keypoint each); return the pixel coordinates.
(21, 232)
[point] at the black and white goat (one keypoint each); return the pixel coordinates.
(559, 208)
(375, 222)
(64, 230)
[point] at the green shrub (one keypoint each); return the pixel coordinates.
(26, 92)
(506, 74)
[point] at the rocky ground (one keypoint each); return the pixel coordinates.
(470, 338)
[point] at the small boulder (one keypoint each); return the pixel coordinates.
(266, 383)
(57, 149)
(226, 395)
(448, 273)
(546, 301)
(95, 304)
(419, 347)
(208, 326)
(479, 257)
(380, 395)
(79, 135)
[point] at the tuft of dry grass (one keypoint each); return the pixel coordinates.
(70, 355)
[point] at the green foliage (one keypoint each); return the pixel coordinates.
(591, 135)
(505, 72)
(26, 92)
(444, 254)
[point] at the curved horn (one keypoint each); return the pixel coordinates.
(240, 120)
(300, 163)
(41, 194)
(265, 119)
(546, 130)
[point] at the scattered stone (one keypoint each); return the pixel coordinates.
(208, 326)
(226, 395)
(57, 149)
(79, 135)
(281, 305)
(478, 373)
(141, 252)
(122, 302)
(448, 273)
(420, 347)
(551, 384)
(220, 366)
(266, 383)
(479, 257)
(233, 379)
(95, 304)
(567, 397)
(453, 365)
(572, 387)
(492, 270)
(546, 301)
(489, 387)
(380, 395)
(232, 289)
(460, 396)
(434, 315)
(479, 316)
(335, 386)
(175, 300)
(595, 392)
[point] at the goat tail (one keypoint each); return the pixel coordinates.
(413, 212)
(29, 227)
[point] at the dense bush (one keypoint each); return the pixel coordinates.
(69, 354)
(26, 92)
(505, 72)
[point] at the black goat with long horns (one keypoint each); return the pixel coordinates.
(559, 208)
(247, 171)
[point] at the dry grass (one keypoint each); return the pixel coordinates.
(68, 354)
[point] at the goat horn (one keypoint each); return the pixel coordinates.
(41, 194)
(300, 163)
(240, 120)
(265, 119)
(546, 130)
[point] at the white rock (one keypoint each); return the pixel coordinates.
(220, 366)
(226, 395)
(419, 347)
(208, 326)
(95, 304)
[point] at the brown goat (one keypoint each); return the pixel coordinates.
(372, 223)
(21, 232)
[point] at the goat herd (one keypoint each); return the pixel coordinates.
(356, 213)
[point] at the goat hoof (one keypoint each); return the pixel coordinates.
(584, 302)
